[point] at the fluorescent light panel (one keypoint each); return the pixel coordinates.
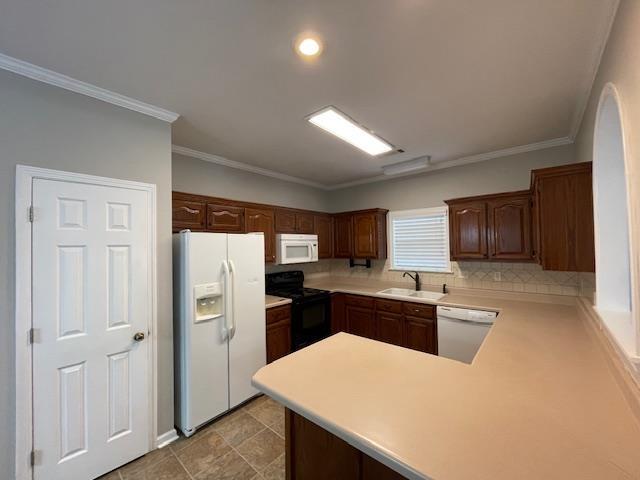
(332, 120)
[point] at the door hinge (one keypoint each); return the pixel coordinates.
(35, 457)
(34, 335)
(31, 214)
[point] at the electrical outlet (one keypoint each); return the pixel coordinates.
(497, 276)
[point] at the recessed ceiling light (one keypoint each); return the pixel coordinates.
(309, 47)
(339, 124)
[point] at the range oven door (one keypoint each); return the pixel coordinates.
(310, 322)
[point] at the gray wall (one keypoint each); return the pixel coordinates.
(205, 178)
(48, 127)
(430, 189)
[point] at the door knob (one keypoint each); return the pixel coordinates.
(139, 336)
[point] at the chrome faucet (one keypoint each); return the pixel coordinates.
(415, 277)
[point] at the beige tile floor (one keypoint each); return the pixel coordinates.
(247, 444)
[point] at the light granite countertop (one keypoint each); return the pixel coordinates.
(270, 301)
(538, 401)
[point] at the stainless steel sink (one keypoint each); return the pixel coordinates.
(405, 293)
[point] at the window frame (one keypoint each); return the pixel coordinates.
(414, 213)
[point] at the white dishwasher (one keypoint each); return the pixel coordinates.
(461, 331)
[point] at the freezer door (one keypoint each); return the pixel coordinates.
(202, 376)
(247, 344)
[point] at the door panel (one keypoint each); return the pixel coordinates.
(304, 222)
(259, 220)
(468, 230)
(390, 328)
(324, 230)
(420, 334)
(224, 218)
(91, 280)
(360, 321)
(343, 236)
(188, 215)
(285, 221)
(364, 236)
(510, 228)
(247, 347)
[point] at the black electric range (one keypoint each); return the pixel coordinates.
(310, 307)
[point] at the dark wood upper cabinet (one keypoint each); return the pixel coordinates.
(285, 221)
(563, 221)
(491, 227)
(304, 223)
(509, 227)
(189, 214)
(468, 229)
(225, 218)
(343, 236)
(323, 225)
(360, 234)
(262, 220)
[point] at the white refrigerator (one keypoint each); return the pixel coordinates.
(219, 323)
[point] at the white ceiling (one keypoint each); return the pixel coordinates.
(445, 78)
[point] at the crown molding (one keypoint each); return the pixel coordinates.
(217, 159)
(583, 101)
(481, 157)
(50, 77)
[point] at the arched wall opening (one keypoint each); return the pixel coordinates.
(613, 269)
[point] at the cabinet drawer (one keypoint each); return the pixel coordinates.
(418, 310)
(360, 301)
(392, 306)
(277, 314)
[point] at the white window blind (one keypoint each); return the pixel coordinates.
(420, 240)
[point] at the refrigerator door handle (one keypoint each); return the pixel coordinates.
(232, 269)
(227, 309)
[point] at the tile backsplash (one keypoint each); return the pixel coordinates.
(510, 277)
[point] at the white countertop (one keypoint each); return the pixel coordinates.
(270, 301)
(538, 402)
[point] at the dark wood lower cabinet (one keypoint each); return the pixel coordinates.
(420, 334)
(390, 328)
(360, 321)
(312, 453)
(278, 332)
(406, 324)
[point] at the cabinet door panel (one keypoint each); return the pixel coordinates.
(343, 236)
(468, 230)
(259, 220)
(188, 215)
(338, 320)
(278, 340)
(420, 334)
(324, 230)
(510, 228)
(304, 223)
(390, 328)
(365, 235)
(285, 221)
(565, 215)
(360, 321)
(224, 218)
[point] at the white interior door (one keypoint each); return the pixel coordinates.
(247, 346)
(91, 281)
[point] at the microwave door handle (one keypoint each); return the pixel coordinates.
(232, 271)
(227, 309)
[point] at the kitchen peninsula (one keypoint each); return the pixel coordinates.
(537, 402)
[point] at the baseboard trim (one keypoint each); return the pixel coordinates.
(624, 372)
(166, 438)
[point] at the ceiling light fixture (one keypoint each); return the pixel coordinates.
(419, 163)
(308, 45)
(332, 120)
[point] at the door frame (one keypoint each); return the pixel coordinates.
(23, 315)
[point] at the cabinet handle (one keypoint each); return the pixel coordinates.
(190, 210)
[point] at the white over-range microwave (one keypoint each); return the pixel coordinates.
(296, 248)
